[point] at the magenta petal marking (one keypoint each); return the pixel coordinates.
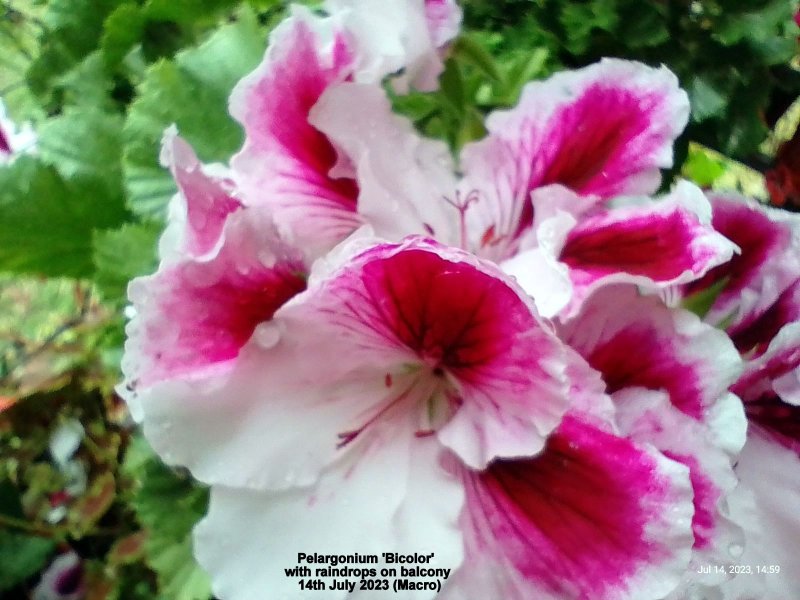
(200, 312)
(459, 319)
(576, 521)
(653, 245)
(779, 419)
(753, 337)
(596, 158)
(638, 356)
(286, 162)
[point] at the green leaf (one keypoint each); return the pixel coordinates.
(21, 556)
(580, 21)
(168, 506)
(186, 10)
(706, 100)
(122, 30)
(85, 143)
(122, 254)
(73, 31)
(46, 221)
(452, 87)
(701, 167)
(88, 85)
(701, 302)
(468, 49)
(193, 92)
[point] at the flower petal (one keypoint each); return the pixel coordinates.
(286, 163)
(636, 341)
(775, 370)
(402, 177)
(593, 516)
(769, 262)
(649, 418)
(604, 130)
(444, 20)
(206, 196)
(394, 498)
(656, 245)
(196, 314)
(767, 503)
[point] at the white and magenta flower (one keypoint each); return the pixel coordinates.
(756, 298)
(347, 336)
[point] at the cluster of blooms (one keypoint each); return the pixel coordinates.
(364, 345)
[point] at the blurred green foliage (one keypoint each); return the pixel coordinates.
(102, 79)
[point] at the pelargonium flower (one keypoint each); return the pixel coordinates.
(346, 327)
(757, 301)
(14, 140)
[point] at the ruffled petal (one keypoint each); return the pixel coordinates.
(593, 516)
(754, 279)
(198, 212)
(402, 177)
(604, 130)
(286, 163)
(649, 418)
(767, 504)
(636, 341)
(394, 497)
(655, 244)
(196, 314)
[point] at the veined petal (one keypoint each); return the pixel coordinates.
(649, 418)
(769, 262)
(656, 244)
(286, 163)
(593, 516)
(767, 503)
(393, 497)
(196, 314)
(198, 212)
(416, 328)
(470, 327)
(604, 130)
(636, 341)
(403, 178)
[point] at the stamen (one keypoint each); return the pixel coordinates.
(348, 436)
(461, 205)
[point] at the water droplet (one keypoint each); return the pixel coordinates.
(267, 335)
